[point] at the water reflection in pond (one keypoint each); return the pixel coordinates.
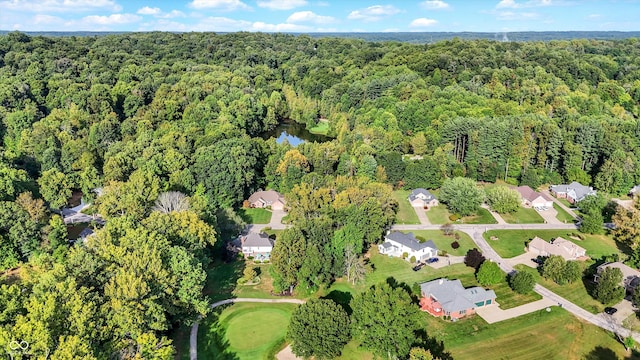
(294, 133)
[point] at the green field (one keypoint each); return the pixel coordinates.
(440, 215)
(406, 214)
(563, 215)
(511, 243)
(244, 331)
(523, 216)
(255, 215)
(444, 242)
(575, 292)
(322, 128)
(539, 335)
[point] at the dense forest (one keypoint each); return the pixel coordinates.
(140, 115)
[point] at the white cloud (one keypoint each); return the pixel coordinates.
(281, 4)
(172, 14)
(309, 17)
(514, 15)
(217, 23)
(42, 6)
(149, 11)
(422, 23)
(47, 19)
(594, 16)
(373, 13)
(112, 19)
(226, 5)
(435, 5)
(512, 4)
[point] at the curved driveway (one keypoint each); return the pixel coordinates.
(193, 339)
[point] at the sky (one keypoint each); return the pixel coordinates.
(320, 15)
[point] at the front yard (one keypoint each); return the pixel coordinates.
(511, 243)
(523, 216)
(563, 215)
(406, 214)
(440, 215)
(444, 242)
(255, 215)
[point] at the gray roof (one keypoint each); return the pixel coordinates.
(575, 189)
(257, 240)
(635, 189)
(421, 193)
(453, 296)
(86, 232)
(409, 240)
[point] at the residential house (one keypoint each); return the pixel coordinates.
(444, 297)
(258, 246)
(634, 190)
(422, 198)
(559, 246)
(269, 198)
(574, 192)
(534, 199)
(630, 276)
(86, 233)
(397, 244)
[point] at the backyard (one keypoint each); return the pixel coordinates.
(510, 243)
(255, 215)
(406, 214)
(440, 215)
(523, 216)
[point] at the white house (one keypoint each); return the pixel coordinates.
(574, 192)
(558, 246)
(259, 246)
(422, 198)
(397, 243)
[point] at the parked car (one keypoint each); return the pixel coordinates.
(432, 260)
(419, 266)
(610, 310)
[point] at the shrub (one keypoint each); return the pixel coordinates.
(522, 282)
(405, 255)
(489, 273)
(413, 259)
(454, 217)
(241, 281)
(455, 245)
(474, 258)
(250, 258)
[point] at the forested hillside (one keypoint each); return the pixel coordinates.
(139, 115)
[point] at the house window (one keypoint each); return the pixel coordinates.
(488, 302)
(462, 312)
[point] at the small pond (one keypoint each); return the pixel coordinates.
(294, 132)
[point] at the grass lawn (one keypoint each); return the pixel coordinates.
(406, 214)
(539, 335)
(575, 292)
(566, 203)
(511, 243)
(255, 215)
(244, 331)
(321, 128)
(483, 216)
(523, 216)
(222, 281)
(353, 351)
(444, 242)
(438, 214)
(563, 215)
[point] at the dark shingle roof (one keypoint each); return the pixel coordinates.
(453, 296)
(424, 194)
(257, 240)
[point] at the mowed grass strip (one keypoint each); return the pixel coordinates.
(406, 214)
(523, 216)
(576, 292)
(511, 243)
(443, 242)
(244, 331)
(255, 215)
(438, 215)
(563, 215)
(483, 216)
(538, 335)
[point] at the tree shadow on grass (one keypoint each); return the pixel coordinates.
(342, 298)
(601, 353)
(212, 342)
(222, 279)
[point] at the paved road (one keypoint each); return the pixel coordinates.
(193, 339)
(422, 215)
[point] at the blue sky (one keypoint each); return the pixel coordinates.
(320, 15)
